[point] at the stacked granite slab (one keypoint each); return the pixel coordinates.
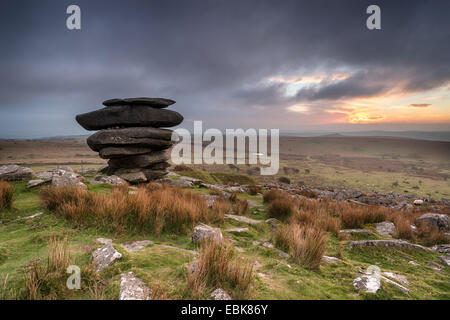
(131, 138)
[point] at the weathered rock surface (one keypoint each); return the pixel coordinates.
(204, 232)
(386, 228)
(132, 288)
(139, 161)
(153, 138)
(330, 259)
(128, 116)
(13, 172)
(142, 101)
(114, 180)
(36, 183)
(445, 260)
(242, 219)
(137, 175)
(386, 243)
(237, 230)
(117, 152)
(273, 222)
(105, 256)
(133, 246)
(219, 294)
(441, 248)
(355, 231)
(435, 220)
(369, 284)
(66, 179)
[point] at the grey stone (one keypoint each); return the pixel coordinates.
(369, 284)
(133, 246)
(105, 256)
(117, 152)
(13, 172)
(219, 294)
(435, 220)
(204, 232)
(139, 161)
(133, 288)
(386, 243)
(181, 183)
(142, 101)
(45, 175)
(386, 228)
(237, 230)
(37, 183)
(397, 277)
(445, 260)
(114, 180)
(330, 259)
(242, 219)
(355, 231)
(441, 248)
(128, 116)
(153, 138)
(66, 179)
(273, 222)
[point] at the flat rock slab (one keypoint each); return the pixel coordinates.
(153, 138)
(128, 116)
(141, 101)
(445, 260)
(133, 288)
(386, 228)
(442, 248)
(238, 230)
(105, 256)
(330, 259)
(139, 161)
(133, 246)
(397, 277)
(395, 284)
(117, 152)
(242, 219)
(13, 172)
(386, 243)
(253, 203)
(355, 231)
(37, 183)
(67, 179)
(114, 180)
(138, 175)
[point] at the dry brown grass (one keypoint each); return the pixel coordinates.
(240, 207)
(47, 280)
(306, 244)
(182, 167)
(148, 210)
(273, 194)
(281, 208)
(6, 195)
(216, 267)
(253, 190)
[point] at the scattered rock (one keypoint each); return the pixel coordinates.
(445, 260)
(37, 183)
(87, 171)
(204, 232)
(66, 179)
(182, 184)
(435, 220)
(252, 204)
(273, 222)
(369, 284)
(397, 277)
(219, 294)
(441, 248)
(242, 219)
(105, 256)
(114, 180)
(399, 286)
(13, 172)
(413, 263)
(330, 259)
(103, 240)
(132, 288)
(133, 246)
(386, 243)
(386, 228)
(418, 202)
(238, 230)
(45, 175)
(434, 266)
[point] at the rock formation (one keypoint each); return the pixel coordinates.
(131, 137)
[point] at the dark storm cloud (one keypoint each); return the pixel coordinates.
(210, 56)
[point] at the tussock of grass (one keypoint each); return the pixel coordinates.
(47, 280)
(6, 195)
(217, 268)
(148, 210)
(281, 209)
(306, 244)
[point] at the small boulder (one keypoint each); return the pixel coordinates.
(369, 284)
(204, 232)
(63, 178)
(273, 222)
(114, 180)
(105, 256)
(435, 220)
(418, 202)
(36, 183)
(385, 228)
(219, 294)
(132, 288)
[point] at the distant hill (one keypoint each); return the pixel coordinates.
(419, 135)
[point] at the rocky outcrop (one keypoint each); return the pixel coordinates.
(66, 179)
(435, 220)
(386, 243)
(242, 219)
(386, 228)
(13, 172)
(369, 284)
(130, 136)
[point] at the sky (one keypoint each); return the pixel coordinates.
(287, 64)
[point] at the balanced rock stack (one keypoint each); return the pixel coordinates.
(131, 137)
